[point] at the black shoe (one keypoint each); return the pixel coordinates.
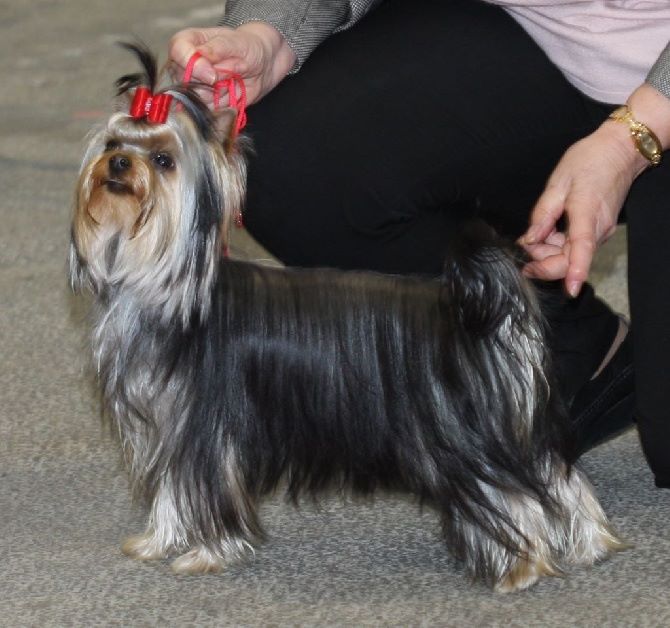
(604, 406)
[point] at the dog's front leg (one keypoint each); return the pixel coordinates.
(226, 527)
(211, 532)
(165, 531)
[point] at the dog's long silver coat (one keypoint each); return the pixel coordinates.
(227, 378)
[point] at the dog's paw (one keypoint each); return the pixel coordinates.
(199, 560)
(594, 542)
(144, 547)
(525, 574)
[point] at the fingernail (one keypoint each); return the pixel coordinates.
(530, 236)
(207, 75)
(210, 75)
(573, 288)
(203, 69)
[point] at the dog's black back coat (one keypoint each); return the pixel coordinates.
(321, 378)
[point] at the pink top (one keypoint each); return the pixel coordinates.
(603, 47)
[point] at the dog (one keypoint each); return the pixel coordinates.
(228, 379)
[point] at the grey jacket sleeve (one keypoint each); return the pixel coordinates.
(659, 75)
(303, 23)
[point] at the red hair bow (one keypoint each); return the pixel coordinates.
(153, 107)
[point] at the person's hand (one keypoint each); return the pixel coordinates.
(588, 187)
(256, 51)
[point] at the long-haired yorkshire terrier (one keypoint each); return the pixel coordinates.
(227, 379)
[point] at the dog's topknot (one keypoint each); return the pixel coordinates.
(147, 78)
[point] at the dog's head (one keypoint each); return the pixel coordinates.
(157, 187)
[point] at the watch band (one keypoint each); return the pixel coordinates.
(645, 140)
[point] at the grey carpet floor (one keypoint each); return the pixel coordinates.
(64, 503)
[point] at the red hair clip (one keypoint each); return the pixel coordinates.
(154, 107)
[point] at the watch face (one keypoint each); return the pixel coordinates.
(648, 145)
(645, 141)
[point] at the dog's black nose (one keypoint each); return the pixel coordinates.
(119, 163)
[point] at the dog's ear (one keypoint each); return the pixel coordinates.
(80, 280)
(224, 126)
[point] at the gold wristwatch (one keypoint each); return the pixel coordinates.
(646, 142)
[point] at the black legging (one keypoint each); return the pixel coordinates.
(426, 112)
(648, 211)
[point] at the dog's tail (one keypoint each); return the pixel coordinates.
(496, 318)
(499, 332)
(501, 384)
(482, 283)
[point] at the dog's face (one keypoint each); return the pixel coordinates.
(134, 173)
(130, 196)
(153, 200)
(128, 199)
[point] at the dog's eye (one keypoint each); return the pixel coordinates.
(111, 145)
(163, 161)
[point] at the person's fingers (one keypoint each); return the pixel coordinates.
(184, 45)
(202, 70)
(230, 53)
(549, 269)
(556, 238)
(583, 243)
(546, 213)
(205, 95)
(539, 252)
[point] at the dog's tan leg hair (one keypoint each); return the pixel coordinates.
(525, 574)
(164, 533)
(199, 560)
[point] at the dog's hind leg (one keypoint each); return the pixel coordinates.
(589, 537)
(575, 532)
(513, 550)
(569, 526)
